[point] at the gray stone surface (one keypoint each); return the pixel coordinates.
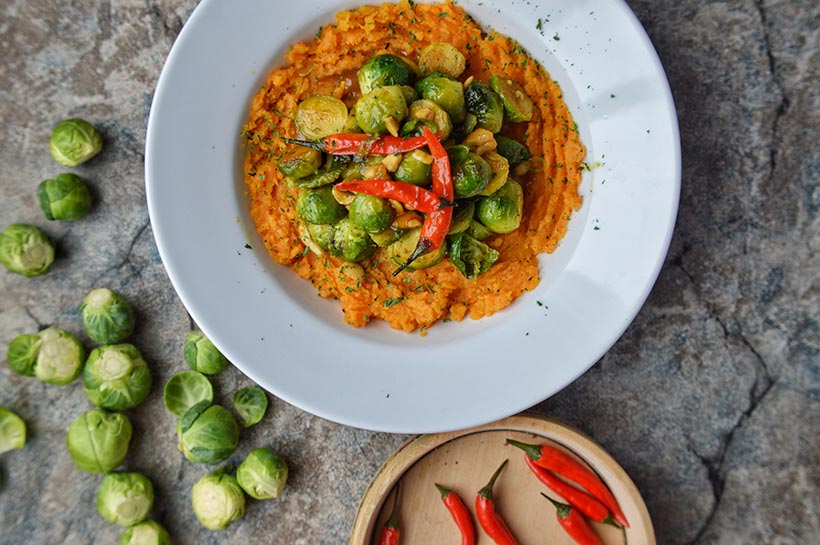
(711, 400)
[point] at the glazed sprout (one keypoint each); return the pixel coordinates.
(415, 127)
(319, 116)
(299, 162)
(381, 71)
(98, 440)
(400, 251)
(12, 431)
(515, 152)
(319, 206)
(478, 231)
(207, 433)
(201, 354)
(321, 235)
(427, 110)
(388, 236)
(25, 250)
(74, 141)
(147, 532)
(65, 197)
(446, 92)
(107, 316)
(250, 403)
(116, 377)
(517, 105)
(186, 389)
(125, 498)
(218, 500)
(60, 357)
(500, 168)
(462, 217)
(262, 474)
(351, 242)
(373, 214)
(377, 106)
(22, 354)
(322, 177)
(471, 176)
(471, 256)
(352, 125)
(442, 58)
(410, 94)
(501, 211)
(485, 105)
(415, 168)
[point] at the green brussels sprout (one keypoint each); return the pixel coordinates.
(351, 242)
(201, 354)
(352, 125)
(250, 403)
(486, 105)
(125, 498)
(402, 249)
(442, 58)
(462, 217)
(374, 107)
(319, 116)
(355, 169)
(458, 154)
(388, 236)
(427, 110)
(12, 431)
(373, 214)
(107, 316)
(207, 433)
(322, 235)
(147, 532)
(414, 127)
(471, 176)
(64, 197)
(218, 500)
(410, 94)
(500, 168)
(322, 177)
(60, 357)
(501, 211)
(446, 92)
(415, 168)
(116, 377)
(186, 389)
(98, 440)
(478, 231)
(471, 256)
(74, 141)
(299, 162)
(25, 250)
(383, 70)
(517, 105)
(319, 206)
(514, 152)
(22, 354)
(262, 474)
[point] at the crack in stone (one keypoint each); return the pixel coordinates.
(171, 29)
(40, 325)
(126, 260)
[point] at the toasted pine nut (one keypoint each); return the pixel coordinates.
(422, 157)
(481, 141)
(468, 81)
(425, 113)
(522, 168)
(391, 162)
(343, 197)
(375, 172)
(391, 125)
(397, 206)
(408, 220)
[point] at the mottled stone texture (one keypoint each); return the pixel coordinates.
(711, 400)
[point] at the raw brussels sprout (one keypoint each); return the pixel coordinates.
(125, 498)
(415, 168)
(186, 389)
(218, 500)
(107, 316)
(373, 214)
(379, 104)
(207, 433)
(388, 236)
(22, 354)
(12, 431)
(25, 250)
(64, 197)
(147, 532)
(250, 403)
(514, 152)
(116, 377)
(74, 141)
(262, 474)
(443, 58)
(351, 242)
(427, 110)
(517, 105)
(381, 71)
(400, 251)
(319, 116)
(462, 217)
(201, 354)
(485, 105)
(299, 162)
(471, 256)
(500, 168)
(60, 357)
(471, 176)
(98, 440)
(446, 92)
(319, 206)
(322, 235)
(501, 211)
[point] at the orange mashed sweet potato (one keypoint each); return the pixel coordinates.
(327, 65)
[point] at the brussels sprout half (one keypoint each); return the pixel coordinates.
(446, 92)
(485, 105)
(186, 389)
(471, 176)
(218, 500)
(319, 116)
(415, 168)
(201, 354)
(427, 110)
(98, 440)
(25, 250)
(250, 403)
(65, 197)
(262, 474)
(471, 256)
(351, 242)
(373, 108)
(207, 433)
(381, 71)
(517, 105)
(402, 249)
(74, 141)
(12, 431)
(443, 58)
(373, 214)
(147, 532)
(116, 377)
(501, 211)
(107, 316)
(299, 162)
(125, 498)
(515, 152)
(319, 206)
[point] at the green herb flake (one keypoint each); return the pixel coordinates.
(392, 302)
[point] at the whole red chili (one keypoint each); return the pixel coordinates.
(564, 465)
(409, 194)
(574, 524)
(391, 533)
(459, 513)
(490, 520)
(362, 144)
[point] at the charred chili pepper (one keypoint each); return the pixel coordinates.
(489, 519)
(459, 513)
(362, 144)
(564, 465)
(409, 194)
(391, 533)
(574, 524)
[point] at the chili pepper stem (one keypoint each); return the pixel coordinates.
(444, 491)
(532, 450)
(563, 508)
(393, 520)
(611, 521)
(487, 491)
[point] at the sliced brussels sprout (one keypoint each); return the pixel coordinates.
(218, 500)
(299, 162)
(60, 357)
(207, 433)
(381, 71)
(262, 474)
(373, 214)
(471, 176)
(147, 532)
(319, 206)
(388, 236)
(515, 152)
(98, 440)
(501, 212)
(517, 105)
(201, 354)
(25, 250)
(415, 168)
(446, 92)
(500, 168)
(74, 141)
(351, 242)
(400, 251)
(125, 498)
(22, 354)
(320, 234)
(485, 105)
(319, 116)
(427, 110)
(251, 404)
(12, 431)
(107, 316)
(443, 58)
(186, 389)
(478, 231)
(410, 94)
(116, 377)
(65, 197)
(462, 217)
(382, 102)
(471, 256)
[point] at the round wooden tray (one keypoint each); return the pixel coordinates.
(464, 461)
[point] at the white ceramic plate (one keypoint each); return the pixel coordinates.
(272, 325)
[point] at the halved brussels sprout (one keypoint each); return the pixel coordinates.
(427, 110)
(458, 154)
(299, 162)
(351, 242)
(515, 152)
(74, 141)
(410, 94)
(322, 235)
(319, 116)
(12, 431)
(218, 500)
(400, 251)
(500, 168)
(65, 197)
(414, 127)
(107, 316)
(373, 108)
(22, 354)
(517, 105)
(116, 377)
(201, 354)
(322, 177)
(186, 389)
(470, 256)
(462, 217)
(415, 168)
(262, 474)
(352, 124)
(250, 403)
(125, 498)
(207, 433)
(355, 169)
(501, 211)
(147, 532)
(471, 176)
(25, 250)
(388, 236)
(486, 105)
(446, 92)
(98, 440)
(478, 231)
(60, 357)
(443, 58)
(319, 206)
(381, 71)
(373, 214)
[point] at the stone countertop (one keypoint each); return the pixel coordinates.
(710, 401)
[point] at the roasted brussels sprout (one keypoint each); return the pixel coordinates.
(373, 214)
(147, 532)
(60, 357)
(414, 127)
(321, 235)
(116, 377)
(471, 256)
(517, 105)
(462, 217)
(485, 105)
(201, 354)
(98, 440)
(427, 110)
(446, 92)
(12, 431)
(513, 151)
(501, 211)
(186, 389)
(74, 141)
(262, 474)
(250, 404)
(125, 498)
(415, 168)
(400, 251)
(376, 106)
(65, 197)
(388, 236)
(458, 154)
(471, 176)
(299, 162)
(25, 250)
(478, 231)
(218, 500)
(500, 168)
(443, 58)
(207, 433)
(322, 177)
(355, 169)
(351, 242)
(107, 316)
(319, 116)
(319, 206)
(381, 71)
(22, 354)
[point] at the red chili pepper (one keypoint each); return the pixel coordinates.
(580, 500)
(412, 195)
(459, 513)
(362, 144)
(564, 465)
(489, 519)
(391, 533)
(574, 524)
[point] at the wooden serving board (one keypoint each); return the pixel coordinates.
(464, 461)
